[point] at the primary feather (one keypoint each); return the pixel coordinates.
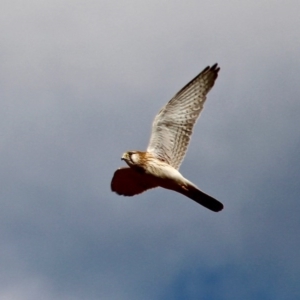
(173, 126)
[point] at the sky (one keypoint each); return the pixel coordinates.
(80, 83)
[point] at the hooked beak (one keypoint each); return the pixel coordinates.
(124, 156)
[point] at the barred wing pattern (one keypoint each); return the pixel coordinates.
(173, 126)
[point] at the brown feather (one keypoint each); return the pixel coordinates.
(128, 182)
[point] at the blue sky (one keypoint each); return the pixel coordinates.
(80, 83)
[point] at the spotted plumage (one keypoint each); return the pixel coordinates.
(171, 132)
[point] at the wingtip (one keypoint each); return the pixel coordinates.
(215, 67)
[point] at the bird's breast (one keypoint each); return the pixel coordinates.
(166, 174)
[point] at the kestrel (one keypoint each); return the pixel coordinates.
(171, 133)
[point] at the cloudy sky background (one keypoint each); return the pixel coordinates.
(80, 83)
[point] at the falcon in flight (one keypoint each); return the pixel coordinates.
(171, 132)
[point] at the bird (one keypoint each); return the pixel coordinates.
(172, 128)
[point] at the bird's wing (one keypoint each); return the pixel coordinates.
(173, 125)
(128, 182)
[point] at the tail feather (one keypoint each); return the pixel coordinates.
(207, 201)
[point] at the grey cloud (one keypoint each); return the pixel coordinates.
(80, 83)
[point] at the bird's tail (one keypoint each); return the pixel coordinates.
(195, 194)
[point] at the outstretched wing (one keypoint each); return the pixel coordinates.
(173, 126)
(128, 182)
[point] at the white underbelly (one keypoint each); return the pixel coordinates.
(166, 176)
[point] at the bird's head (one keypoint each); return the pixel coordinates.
(132, 158)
